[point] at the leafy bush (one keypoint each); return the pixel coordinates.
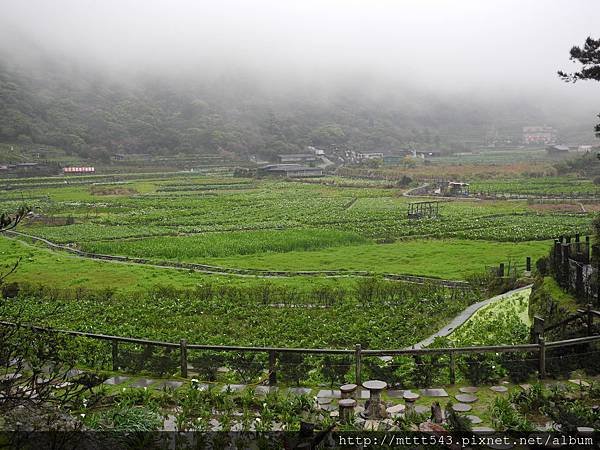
(125, 418)
(505, 416)
(532, 400)
(480, 368)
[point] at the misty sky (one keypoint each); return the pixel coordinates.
(460, 44)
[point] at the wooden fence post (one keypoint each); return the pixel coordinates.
(586, 250)
(528, 264)
(115, 354)
(183, 357)
(272, 368)
(566, 268)
(538, 329)
(542, 358)
(579, 287)
(357, 362)
(501, 270)
(452, 368)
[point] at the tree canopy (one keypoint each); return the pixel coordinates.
(589, 58)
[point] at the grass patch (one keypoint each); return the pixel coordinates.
(43, 266)
(448, 258)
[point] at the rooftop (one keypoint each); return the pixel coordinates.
(288, 167)
(297, 155)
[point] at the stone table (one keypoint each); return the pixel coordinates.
(348, 390)
(346, 409)
(410, 398)
(374, 405)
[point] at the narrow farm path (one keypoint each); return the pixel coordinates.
(409, 193)
(465, 315)
(216, 270)
(414, 192)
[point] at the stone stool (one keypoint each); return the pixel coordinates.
(410, 398)
(375, 409)
(348, 390)
(346, 408)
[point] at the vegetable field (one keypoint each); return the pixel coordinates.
(330, 224)
(546, 186)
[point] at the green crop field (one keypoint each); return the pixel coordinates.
(328, 224)
(286, 225)
(537, 186)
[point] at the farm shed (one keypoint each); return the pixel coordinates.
(456, 188)
(296, 158)
(557, 150)
(290, 170)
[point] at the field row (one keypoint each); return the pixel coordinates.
(536, 186)
(448, 259)
(230, 315)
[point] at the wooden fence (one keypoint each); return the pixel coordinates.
(539, 347)
(574, 265)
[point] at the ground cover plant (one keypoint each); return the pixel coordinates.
(434, 257)
(504, 322)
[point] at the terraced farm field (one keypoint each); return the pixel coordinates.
(341, 231)
(546, 186)
(285, 225)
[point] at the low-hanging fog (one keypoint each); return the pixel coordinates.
(463, 51)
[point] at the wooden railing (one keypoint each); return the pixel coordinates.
(539, 326)
(539, 347)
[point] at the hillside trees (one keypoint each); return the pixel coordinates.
(92, 115)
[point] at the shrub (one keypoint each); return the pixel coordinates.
(10, 290)
(125, 418)
(480, 368)
(505, 416)
(543, 266)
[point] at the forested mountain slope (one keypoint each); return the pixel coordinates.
(94, 115)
